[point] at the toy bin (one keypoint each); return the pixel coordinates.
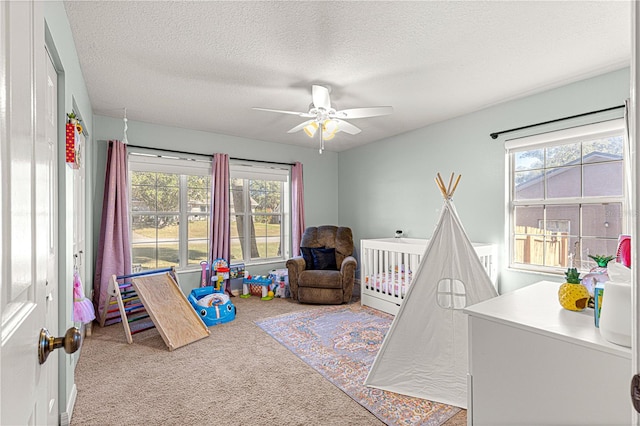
(236, 275)
(214, 307)
(280, 285)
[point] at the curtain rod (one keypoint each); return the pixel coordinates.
(199, 153)
(496, 134)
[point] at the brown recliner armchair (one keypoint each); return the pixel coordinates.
(326, 271)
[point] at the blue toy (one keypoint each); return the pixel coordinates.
(213, 306)
(264, 282)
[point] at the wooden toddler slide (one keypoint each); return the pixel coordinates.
(171, 312)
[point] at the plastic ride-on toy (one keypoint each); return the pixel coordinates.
(213, 306)
(210, 301)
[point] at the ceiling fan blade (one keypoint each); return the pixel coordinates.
(344, 126)
(364, 112)
(300, 126)
(301, 114)
(320, 96)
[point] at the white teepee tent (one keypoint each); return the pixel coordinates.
(424, 353)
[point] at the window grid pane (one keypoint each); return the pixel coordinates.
(562, 235)
(603, 150)
(562, 155)
(603, 179)
(197, 251)
(529, 185)
(257, 216)
(564, 182)
(158, 240)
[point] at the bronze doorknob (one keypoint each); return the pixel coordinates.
(71, 342)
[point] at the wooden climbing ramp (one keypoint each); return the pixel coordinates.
(176, 320)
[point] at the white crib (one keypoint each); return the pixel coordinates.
(387, 264)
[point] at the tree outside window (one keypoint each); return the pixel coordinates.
(259, 215)
(169, 204)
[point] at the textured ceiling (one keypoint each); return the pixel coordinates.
(204, 65)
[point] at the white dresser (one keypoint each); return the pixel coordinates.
(531, 362)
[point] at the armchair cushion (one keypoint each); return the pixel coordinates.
(324, 259)
(320, 258)
(308, 257)
(321, 279)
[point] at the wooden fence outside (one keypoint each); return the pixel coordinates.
(536, 246)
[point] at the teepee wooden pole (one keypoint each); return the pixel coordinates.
(450, 182)
(455, 186)
(441, 186)
(448, 191)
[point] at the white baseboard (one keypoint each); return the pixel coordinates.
(65, 417)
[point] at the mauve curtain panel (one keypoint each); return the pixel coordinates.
(220, 228)
(297, 205)
(114, 248)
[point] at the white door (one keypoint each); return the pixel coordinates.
(634, 130)
(47, 196)
(27, 220)
(23, 308)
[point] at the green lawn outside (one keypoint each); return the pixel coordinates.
(144, 254)
(271, 250)
(198, 229)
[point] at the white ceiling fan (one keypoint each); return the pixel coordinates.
(322, 115)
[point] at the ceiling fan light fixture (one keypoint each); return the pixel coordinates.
(310, 129)
(329, 129)
(330, 126)
(325, 117)
(328, 136)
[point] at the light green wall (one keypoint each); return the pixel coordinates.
(390, 185)
(72, 92)
(374, 189)
(320, 171)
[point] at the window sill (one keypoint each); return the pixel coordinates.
(193, 268)
(541, 272)
(555, 273)
(265, 262)
(189, 270)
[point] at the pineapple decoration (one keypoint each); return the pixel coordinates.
(573, 295)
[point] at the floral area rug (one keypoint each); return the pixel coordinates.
(341, 342)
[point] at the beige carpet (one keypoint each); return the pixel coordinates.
(238, 376)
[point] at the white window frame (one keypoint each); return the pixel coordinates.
(250, 170)
(147, 160)
(542, 139)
